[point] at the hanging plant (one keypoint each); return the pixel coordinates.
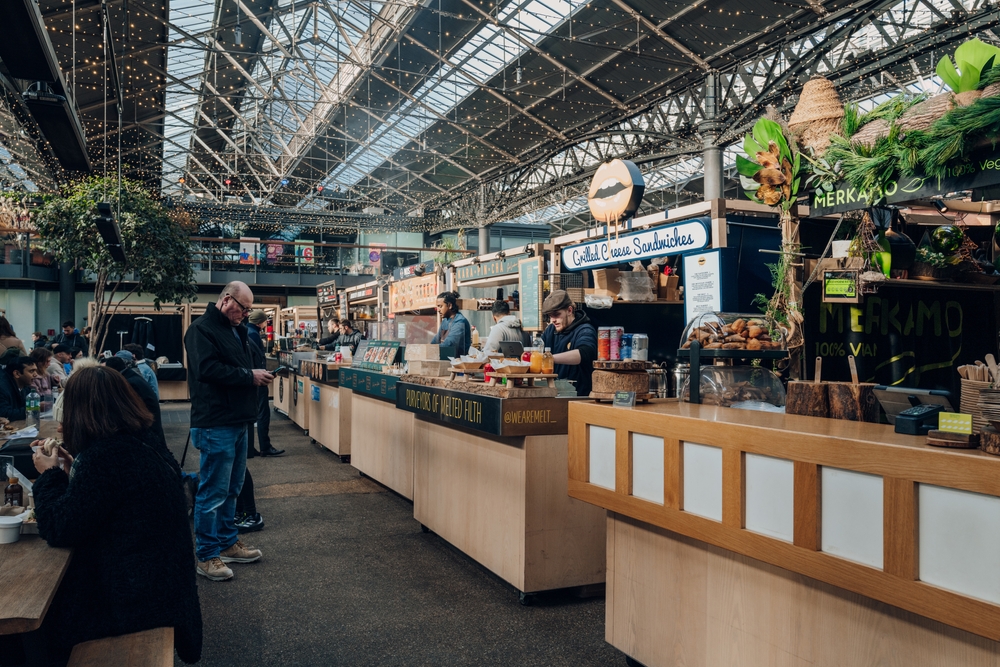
(972, 58)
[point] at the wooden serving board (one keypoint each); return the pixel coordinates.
(952, 440)
(601, 397)
(629, 365)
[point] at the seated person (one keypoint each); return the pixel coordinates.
(62, 356)
(43, 382)
(123, 514)
(15, 379)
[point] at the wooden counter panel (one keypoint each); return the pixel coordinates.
(298, 410)
(901, 464)
(673, 600)
(328, 417)
(504, 502)
(383, 446)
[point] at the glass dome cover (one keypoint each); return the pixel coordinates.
(752, 332)
(729, 386)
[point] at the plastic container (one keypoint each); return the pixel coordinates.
(729, 385)
(734, 331)
(636, 286)
(10, 529)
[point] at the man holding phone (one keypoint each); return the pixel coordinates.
(223, 385)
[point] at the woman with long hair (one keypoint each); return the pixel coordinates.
(118, 504)
(9, 339)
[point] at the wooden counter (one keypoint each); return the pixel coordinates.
(298, 410)
(488, 477)
(330, 417)
(382, 442)
(283, 392)
(30, 573)
(738, 537)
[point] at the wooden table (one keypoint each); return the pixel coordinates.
(29, 576)
(47, 429)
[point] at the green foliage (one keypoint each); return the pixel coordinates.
(853, 120)
(771, 171)
(157, 249)
(971, 59)
(868, 168)
(938, 260)
(950, 137)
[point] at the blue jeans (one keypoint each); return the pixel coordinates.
(223, 464)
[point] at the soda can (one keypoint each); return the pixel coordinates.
(616, 342)
(604, 344)
(640, 347)
(626, 352)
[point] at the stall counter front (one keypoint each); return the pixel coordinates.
(771, 539)
(489, 477)
(283, 391)
(381, 435)
(329, 407)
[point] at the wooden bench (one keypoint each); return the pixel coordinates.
(150, 648)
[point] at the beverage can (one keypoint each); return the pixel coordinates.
(640, 347)
(616, 343)
(604, 343)
(626, 351)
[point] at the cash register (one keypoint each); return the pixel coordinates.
(913, 411)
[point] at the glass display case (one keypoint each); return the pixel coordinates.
(749, 387)
(736, 333)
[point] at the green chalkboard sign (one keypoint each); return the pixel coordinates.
(530, 287)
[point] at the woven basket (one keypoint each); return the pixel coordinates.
(817, 135)
(970, 403)
(819, 101)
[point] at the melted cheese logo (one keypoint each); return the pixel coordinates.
(616, 191)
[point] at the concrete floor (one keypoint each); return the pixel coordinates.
(348, 578)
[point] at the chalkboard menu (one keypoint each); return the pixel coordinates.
(530, 289)
(908, 335)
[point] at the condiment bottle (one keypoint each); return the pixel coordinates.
(13, 494)
(536, 360)
(548, 362)
(475, 338)
(527, 355)
(487, 369)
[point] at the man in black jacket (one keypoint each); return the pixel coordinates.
(70, 338)
(223, 385)
(15, 378)
(254, 322)
(573, 340)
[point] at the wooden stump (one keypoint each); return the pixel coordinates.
(608, 382)
(854, 402)
(807, 398)
(989, 440)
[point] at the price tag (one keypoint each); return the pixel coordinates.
(955, 422)
(624, 399)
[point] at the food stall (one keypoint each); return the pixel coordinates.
(363, 305)
(484, 279)
(412, 298)
(298, 323)
(381, 436)
(488, 466)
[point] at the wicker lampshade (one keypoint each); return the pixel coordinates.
(819, 101)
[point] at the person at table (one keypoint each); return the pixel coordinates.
(15, 381)
(333, 340)
(8, 339)
(455, 330)
(507, 328)
(572, 338)
(118, 504)
(146, 395)
(349, 337)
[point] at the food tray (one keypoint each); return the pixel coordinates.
(467, 366)
(511, 370)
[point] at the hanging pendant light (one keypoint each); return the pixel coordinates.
(237, 31)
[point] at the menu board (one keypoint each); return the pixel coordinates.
(530, 288)
(413, 294)
(326, 294)
(702, 284)
(377, 353)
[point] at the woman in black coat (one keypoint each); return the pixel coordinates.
(120, 507)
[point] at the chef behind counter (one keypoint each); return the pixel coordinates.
(572, 338)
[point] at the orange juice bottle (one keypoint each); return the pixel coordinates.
(536, 360)
(548, 362)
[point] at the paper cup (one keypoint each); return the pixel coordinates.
(10, 529)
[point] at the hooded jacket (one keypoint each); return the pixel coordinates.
(580, 335)
(506, 330)
(219, 374)
(456, 332)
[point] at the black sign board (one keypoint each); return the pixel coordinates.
(326, 294)
(403, 272)
(841, 287)
(361, 294)
(904, 335)
(489, 414)
(982, 170)
(378, 385)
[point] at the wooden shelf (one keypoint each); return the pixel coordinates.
(658, 302)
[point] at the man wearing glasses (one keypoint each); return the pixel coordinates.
(223, 386)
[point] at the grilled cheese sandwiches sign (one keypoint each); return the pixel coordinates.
(662, 241)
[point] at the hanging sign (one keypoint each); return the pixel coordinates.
(529, 287)
(273, 252)
(615, 191)
(248, 251)
(359, 294)
(326, 294)
(304, 253)
(413, 294)
(840, 287)
(704, 285)
(404, 272)
(659, 242)
(488, 269)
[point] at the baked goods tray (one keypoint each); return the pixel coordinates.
(735, 354)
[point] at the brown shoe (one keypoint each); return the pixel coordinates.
(240, 553)
(214, 569)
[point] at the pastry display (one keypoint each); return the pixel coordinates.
(731, 331)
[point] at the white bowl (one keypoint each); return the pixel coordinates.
(10, 529)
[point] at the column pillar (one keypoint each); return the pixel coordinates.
(710, 129)
(67, 294)
(484, 240)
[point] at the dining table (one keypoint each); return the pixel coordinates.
(30, 573)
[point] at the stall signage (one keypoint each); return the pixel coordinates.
(902, 336)
(378, 385)
(488, 414)
(659, 242)
(377, 354)
(840, 287)
(490, 269)
(702, 284)
(404, 272)
(326, 295)
(982, 170)
(361, 294)
(529, 286)
(413, 294)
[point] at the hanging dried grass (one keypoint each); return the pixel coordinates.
(817, 135)
(819, 101)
